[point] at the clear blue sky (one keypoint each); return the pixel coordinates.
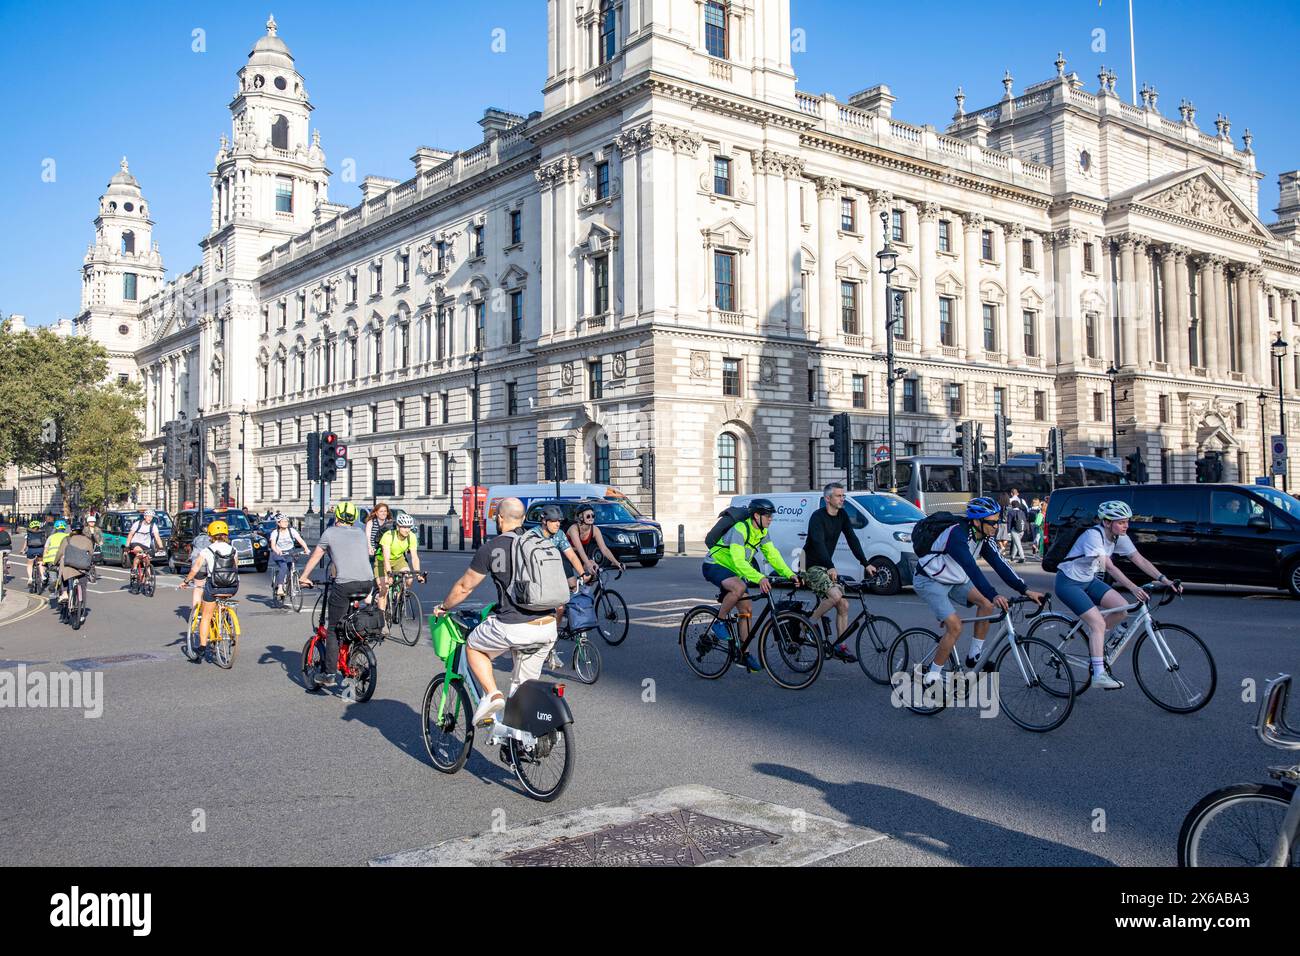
(93, 81)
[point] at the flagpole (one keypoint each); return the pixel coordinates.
(1132, 55)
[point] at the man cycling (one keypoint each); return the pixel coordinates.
(948, 575)
(349, 555)
(75, 557)
(731, 559)
(283, 540)
(34, 549)
(825, 527)
(53, 541)
(1081, 589)
(142, 539)
(392, 552)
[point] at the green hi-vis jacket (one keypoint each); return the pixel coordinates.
(735, 551)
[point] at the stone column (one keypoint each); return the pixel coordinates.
(972, 223)
(925, 306)
(1142, 301)
(629, 145)
(1013, 235)
(1184, 311)
(1242, 301)
(1209, 318)
(1216, 302)
(1169, 307)
(1127, 307)
(1257, 326)
(1063, 283)
(550, 254)
(828, 194)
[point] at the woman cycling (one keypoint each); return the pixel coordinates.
(379, 521)
(221, 565)
(283, 540)
(1080, 588)
(586, 537)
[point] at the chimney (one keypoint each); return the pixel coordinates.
(878, 100)
(426, 158)
(373, 186)
(495, 122)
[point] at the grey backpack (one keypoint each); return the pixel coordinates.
(538, 582)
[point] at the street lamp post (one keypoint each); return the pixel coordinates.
(1112, 373)
(203, 460)
(1279, 352)
(243, 455)
(1263, 437)
(451, 484)
(477, 360)
(888, 263)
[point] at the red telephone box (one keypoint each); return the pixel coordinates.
(473, 502)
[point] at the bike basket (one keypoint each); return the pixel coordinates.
(445, 634)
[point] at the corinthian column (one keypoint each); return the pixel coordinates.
(1127, 303)
(1256, 325)
(927, 325)
(828, 192)
(1183, 312)
(1143, 301)
(1013, 338)
(1244, 323)
(1210, 318)
(972, 222)
(1169, 307)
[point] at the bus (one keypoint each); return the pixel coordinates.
(936, 483)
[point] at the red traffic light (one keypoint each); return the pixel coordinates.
(329, 438)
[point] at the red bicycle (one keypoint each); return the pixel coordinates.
(357, 663)
(143, 580)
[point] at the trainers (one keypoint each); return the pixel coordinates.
(751, 662)
(971, 662)
(720, 631)
(324, 680)
(489, 707)
(1106, 682)
(841, 652)
(930, 676)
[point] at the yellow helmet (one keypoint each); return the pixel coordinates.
(218, 527)
(345, 512)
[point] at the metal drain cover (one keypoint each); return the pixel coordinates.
(675, 838)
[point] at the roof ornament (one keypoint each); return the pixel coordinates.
(1007, 81)
(1060, 64)
(961, 104)
(1247, 139)
(124, 169)
(270, 25)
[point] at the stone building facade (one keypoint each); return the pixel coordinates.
(677, 254)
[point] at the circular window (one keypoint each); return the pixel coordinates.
(1085, 160)
(128, 206)
(259, 81)
(123, 330)
(280, 83)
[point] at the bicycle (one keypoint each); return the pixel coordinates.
(223, 632)
(357, 661)
(534, 731)
(143, 579)
(1187, 674)
(795, 644)
(875, 634)
(75, 610)
(1031, 666)
(611, 609)
(586, 663)
(40, 577)
(404, 608)
(1251, 824)
(293, 590)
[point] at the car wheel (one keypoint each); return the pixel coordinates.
(125, 561)
(649, 564)
(891, 581)
(1293, 579)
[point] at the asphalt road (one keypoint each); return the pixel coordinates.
(277, 775)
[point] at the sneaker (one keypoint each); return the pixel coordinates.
(841, 652)
(489, 707)
(1106, 682)
(720, 631)
(971, 662)
(63, 597)
(930, 676)
(751, 663)
(324, 680)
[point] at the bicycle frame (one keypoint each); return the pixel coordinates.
(991, 647)
(1142, 622)
(457, 669)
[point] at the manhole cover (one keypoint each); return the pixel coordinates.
(674, 838)
(91, 663)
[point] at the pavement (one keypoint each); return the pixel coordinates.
(190, 764)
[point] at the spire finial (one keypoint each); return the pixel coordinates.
(124, 169)
(1007, 82)
(1060, 64)
(270, 25)
(961, 104)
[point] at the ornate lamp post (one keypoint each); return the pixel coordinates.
(1112, 373)
(451, 484)
(888, 262)
(1279, 349)
(477, 360)
(243, 455)
(1263, 434)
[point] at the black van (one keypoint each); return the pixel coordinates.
(1213, 534)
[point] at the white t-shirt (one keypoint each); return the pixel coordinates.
(943, 568)
(1087, 556)
(283, 539)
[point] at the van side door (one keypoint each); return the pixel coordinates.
(1165, 529)
(1236, 551)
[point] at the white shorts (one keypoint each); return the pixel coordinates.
(494, 638)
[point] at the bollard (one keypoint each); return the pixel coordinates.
(681, 539)
(446, 538)
(462, 537)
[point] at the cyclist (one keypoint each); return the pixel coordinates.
(75, 557)
(824, 529)
(1081, 589)
(283, 540)
(509, 627)
(379, 521)
(552, 518)
(34, 549)
(396, 549)
(349, 555)
(948, 576)
(218, 559)
(586, 537)
(53, 540)
(91, 530)
(731, 559)
(143, 538)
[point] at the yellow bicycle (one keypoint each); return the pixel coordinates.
(223, 633)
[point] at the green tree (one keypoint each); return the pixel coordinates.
(104, 451)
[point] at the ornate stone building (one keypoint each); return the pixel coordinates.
(677, 254)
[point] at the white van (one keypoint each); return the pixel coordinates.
(546, 489)
(882, 522)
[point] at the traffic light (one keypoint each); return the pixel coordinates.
(965, 445)
(1135, 468)
(194, 456)
(327, 456)
(556, 454)
(647, 469)
(1001, 439)
(225, 492)
(313, 456)
(1209, 469)
(1056, 451)
(981, 446)
(841, 439)
(1045, 461)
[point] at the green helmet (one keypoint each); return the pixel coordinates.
(34, 525)
(345, 512)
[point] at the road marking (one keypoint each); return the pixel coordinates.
(36, 608)
(668, 621)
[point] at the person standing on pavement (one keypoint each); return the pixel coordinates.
(345, 543)
(825, 527)
(1017, 525)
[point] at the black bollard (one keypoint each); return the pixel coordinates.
(681, 539)
(462, 537)
(446, 538)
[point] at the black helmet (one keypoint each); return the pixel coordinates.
(552, 513)
(761, 506)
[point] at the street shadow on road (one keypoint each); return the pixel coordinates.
(959, 837)
(288, 658)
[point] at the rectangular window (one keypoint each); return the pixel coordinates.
(1241, 415)
(399, 464)
(722, 175)
(849, 307)
(302, 307)
(377, 276)
(954, 399)
(1000, 401)
(426, 418)
(1163, 405)
(724, 281)
(812, 386)
(512, 465)
(1098, 406)
(445, 402)
(403, 269)
(1040, 406)
(595, 379)
(1031, 333)
(1090, 334)
(284, 313)
(129, 286)
(480, 325)
(1089, 258)
(986, 245)
(600, 285)
(715, 29)
(945, 321)
(1271, 305)
(731, 377)
(896, 226)
(478, 242)
(283, 194)
(945, 235)
(426, 468)
(516, 228)
(859, 391)
(900, 314)
(442, 334)
(812, 463)
(352, 288)
(1026, 254)
(990, 327)
(374, 418)
(848, 215)
(512, 399)
(909, 395)
(516, 317)
(266, 318)
(442, 256)
(602, 180)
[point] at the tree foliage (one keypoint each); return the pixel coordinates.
(104, 452)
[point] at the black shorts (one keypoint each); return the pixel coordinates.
(35, 553)
(211, 594)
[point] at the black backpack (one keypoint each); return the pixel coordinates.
(1061, 544)
(925, 531)
(1016, 520)
(224, 572)
(727, 520)
(35, 539)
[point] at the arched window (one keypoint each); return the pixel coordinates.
(128, 242)
(280, 133)
(600, 458)
(728, 465)
(607, 31)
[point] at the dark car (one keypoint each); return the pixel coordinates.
(250, 544)
(1205, 533)
(628, 537)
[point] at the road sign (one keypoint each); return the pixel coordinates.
(882, 452)
(1278, 445)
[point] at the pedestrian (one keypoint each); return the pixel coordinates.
(1003, 534)
(1040, 521)
(1017, 525)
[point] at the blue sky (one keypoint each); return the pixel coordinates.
(92, 82)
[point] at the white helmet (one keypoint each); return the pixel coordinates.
(1114, 511)
(280, 517)
(404, 520)
(91, 519)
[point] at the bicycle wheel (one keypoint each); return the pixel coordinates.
(147, 586)
(910, 657)
(365, 672)
(611, 617)
(295, 593)
(1035, 688)
(1236, 826)
(790, 650)
(706, 653)
(227, 645)
(448, 724)
(586, 659)
(191, 647)
(875, 637)
(1055, 629)
(1176, 670)
(313, 662)
(410, 618)
(77, 606)
(544, 768)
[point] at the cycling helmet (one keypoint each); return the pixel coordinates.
(91, 519)
(761, 506)
(218, 527)
(404, 520)
(280, 517)
(345, 512)
(1114, 511)
(33, 526)
(983, 508)
(148, 512)
(552, 513)
(60, 525)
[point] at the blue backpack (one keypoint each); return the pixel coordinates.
(581, 612)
